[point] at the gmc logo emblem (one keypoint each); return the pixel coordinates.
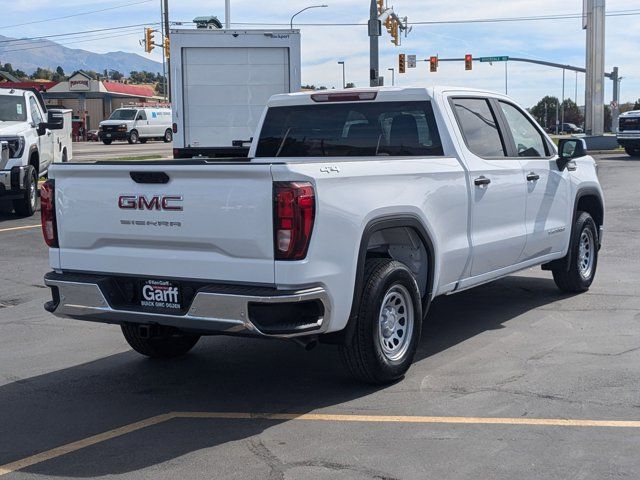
(171, 203)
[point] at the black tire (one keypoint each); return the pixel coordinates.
(65, 159)
(632, 152)
(107, 142)
(143, 140)
(578, 278)
(364, 355)
(133, 137)
(26, 206)
(168, 136)
(165, 344)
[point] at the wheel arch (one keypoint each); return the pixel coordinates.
(34, 158)
(393, 225)
(589, 200)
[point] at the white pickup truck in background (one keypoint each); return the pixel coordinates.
(629, 132)
(352, 212)
(37, 137)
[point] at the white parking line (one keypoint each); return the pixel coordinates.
(14, 229)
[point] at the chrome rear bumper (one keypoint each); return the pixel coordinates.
(223, 311)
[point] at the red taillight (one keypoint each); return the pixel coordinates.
(294, 212)
(175, 128)
(48, 213)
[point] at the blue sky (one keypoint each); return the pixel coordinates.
(322, 47)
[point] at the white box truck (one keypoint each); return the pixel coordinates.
(221, 82)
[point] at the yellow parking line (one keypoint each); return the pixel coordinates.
(13, 229)
(80, 444)
(322, 417)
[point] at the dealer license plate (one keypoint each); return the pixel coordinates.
(160, 294)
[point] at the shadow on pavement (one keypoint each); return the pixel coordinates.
(222, 374)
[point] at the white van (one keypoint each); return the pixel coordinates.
(137, 124)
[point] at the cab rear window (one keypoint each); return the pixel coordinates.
(350, 130)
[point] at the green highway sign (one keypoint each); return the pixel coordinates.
(494, 59)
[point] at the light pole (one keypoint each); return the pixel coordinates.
(344, 84)
(393, 76)
(304, 10)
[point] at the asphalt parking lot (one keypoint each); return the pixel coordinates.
(512, 380)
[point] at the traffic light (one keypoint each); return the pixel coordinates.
(395, 34)
(468, 62)
(167, 47)
(388, 23)
(433, 64)
(380, 6)
(148, 39)
(402, 63)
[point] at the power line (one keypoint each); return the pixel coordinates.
(79, 32)
(567, 16)
(55, 44)
(76, 14)
(25, 42)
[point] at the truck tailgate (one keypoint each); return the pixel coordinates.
(208, 222)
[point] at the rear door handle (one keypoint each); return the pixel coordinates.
(532, 177)
(482, 181)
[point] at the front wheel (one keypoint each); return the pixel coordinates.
(163, 343)
(107, 142)
(168, 136)
(632, 152)
(388, 324)
(26, 206)
(133, 137)
(582, 258)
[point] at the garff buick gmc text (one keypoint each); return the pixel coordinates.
(352, 212)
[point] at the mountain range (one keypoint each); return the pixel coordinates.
(27, 55)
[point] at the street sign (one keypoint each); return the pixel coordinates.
(411, 61)
(493, 59)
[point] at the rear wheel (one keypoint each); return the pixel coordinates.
(582, 258)
(632, 152)
(107, 142)
(168, 136)
(388, 324)
(65, 159)
(158, 342)
(133, 137)
(26, 206)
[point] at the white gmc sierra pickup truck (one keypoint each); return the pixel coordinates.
(352, 212)
(37, 137)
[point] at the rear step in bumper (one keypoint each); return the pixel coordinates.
(210, 312)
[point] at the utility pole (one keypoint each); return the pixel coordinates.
(393, 76)
(164, 56)
(344, 78)
(615, 107)
(375, 31)
(562, 104)
(506, 78)
(594, 98)
(227, 14)
(166, 31)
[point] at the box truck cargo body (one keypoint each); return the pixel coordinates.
(221, 81)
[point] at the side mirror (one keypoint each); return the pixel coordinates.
(570, 149)
(55, 121)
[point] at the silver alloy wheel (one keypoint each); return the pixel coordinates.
(395, 322)
(586, 253)
(33, 188)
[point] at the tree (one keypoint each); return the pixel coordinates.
(60, 71)
(20, 74)
(545, 111)
(160, 88)
(636, 106)
(41, 74)
(607, 118)
(116, 75)
(59, 75)
(350, 85)
(572, 113)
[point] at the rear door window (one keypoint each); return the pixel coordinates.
(350, 130)
(479, 127)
